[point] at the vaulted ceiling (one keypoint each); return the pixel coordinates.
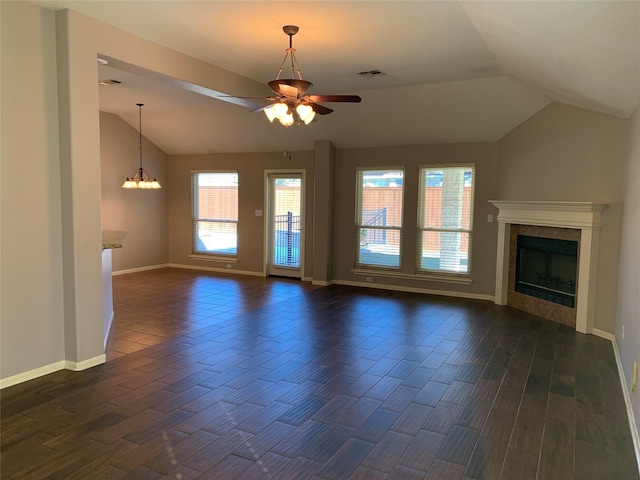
(452, 71)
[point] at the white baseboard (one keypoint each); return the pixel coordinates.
(606, 335)
(140, 269)
(625, 392)
(322, 283)
(31, 374)
(219, 270)
(83, 365)
(445, 293)
(51, 368)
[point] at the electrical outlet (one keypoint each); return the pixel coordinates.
(490, 218)
(369, 279)
(622, 332)
(228, 265)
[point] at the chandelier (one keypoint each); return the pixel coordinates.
(141, 179)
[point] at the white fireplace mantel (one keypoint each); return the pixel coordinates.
(584, 216)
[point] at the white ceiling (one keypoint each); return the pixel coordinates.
(454, 71)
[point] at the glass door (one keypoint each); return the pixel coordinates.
(285, 224)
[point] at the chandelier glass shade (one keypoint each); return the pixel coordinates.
(141, 179)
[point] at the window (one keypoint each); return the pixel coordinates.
(215, 213)
(445, 219)
(379, 197)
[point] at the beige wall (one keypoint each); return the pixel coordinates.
(483, 155)
(251, 169)
(629, 283)
(566, 153)
(140, 213)
(52, 281)
(32, 313)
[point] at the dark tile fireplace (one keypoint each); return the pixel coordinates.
(567, 275)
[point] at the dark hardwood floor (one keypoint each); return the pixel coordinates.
(230, 377)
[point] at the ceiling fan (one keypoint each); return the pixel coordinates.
(291, 94)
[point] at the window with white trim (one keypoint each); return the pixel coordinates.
(379, 204)
(215, 213)
(445, 219)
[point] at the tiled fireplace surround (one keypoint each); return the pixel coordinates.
(550, 219)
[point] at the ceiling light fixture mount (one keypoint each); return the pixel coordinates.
(141, 178)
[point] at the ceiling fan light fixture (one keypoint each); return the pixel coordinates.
(280, 110)
(268, 111)
(305, 112)
(287, 120)
(291, 103)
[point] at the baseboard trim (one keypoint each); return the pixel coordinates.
(322, 283)
(445, 293)
(140, 269)
(603, 334)
(625, 392)
(31, 374)
(218, 270)
(51, 368)
(83, 365)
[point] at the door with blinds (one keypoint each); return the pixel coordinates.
(285, 223)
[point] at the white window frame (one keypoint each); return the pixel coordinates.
(195, 219)
(359, 226)
(443, 273)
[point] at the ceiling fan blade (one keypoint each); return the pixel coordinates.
(334, 98)
(320, 109)
(260, 109)
(272, 99)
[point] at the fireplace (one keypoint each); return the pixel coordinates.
(546, 268)
(584, 219)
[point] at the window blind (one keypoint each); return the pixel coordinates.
(215, 212)
(445, 216)
(379, 205)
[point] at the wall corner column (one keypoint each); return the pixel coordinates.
(323, 174)
(80, 186)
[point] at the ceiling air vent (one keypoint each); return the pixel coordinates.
(371, 73)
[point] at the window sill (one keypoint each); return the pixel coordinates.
(434, 277)
(213, 258)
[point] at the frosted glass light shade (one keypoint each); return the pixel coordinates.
(287, 120)
(270, 113)
(280, 110)
(305, 112)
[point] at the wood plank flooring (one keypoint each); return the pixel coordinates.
(229, 377)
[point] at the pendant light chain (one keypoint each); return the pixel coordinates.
(140, 105)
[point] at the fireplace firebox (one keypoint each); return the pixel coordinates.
(547, 268)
